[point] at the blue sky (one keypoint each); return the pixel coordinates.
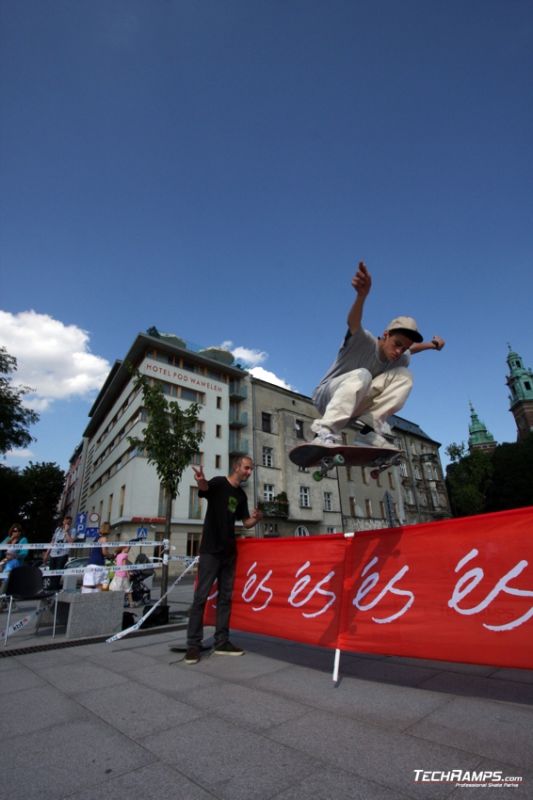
(217, 168)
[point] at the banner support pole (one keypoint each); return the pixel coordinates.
(336, 663)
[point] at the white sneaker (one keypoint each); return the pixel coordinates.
(325, 438)
(373, 439)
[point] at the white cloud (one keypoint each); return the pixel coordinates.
(52, 358)
(251, 359)
(247, 355)
(22, 453)
(270, 377)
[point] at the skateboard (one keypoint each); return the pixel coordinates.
(311, 455)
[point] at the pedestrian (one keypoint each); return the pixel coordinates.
(226, 503)
(57, 552)
(121, 580)
(369, 380)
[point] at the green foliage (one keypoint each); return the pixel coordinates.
(31, 496)
(171, 437)
(481, 482)
(455, 451)
(512, 484)
(14, 418)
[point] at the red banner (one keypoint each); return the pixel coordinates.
(459, 590)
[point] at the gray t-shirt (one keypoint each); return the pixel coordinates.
(359, 350)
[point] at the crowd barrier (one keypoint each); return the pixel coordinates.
(458, 590)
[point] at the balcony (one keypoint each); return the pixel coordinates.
(237, 444)
(274, 509)
(238, 390)
(237, 420)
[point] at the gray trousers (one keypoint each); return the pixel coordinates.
(212, 567)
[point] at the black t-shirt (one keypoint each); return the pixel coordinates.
(225, 504)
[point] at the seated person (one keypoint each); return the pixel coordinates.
(14, 536)
(9, 562)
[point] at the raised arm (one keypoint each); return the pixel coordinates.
(361, 282)
(200, 478)
(437, 343)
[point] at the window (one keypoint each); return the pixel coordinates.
(268, 460)
(328, 501)
(301, 530)
(109, 507)
(353, 506)
(162, 505)
(266, 422)
(403, 469)
(305, 497)
(299, 427)
(364, 476)
(218, 462)
(391, 480)
(193, 544)
(219, 431)
(195, 509)
(368, 508)
(219, 402)
(121, 501)
(268, 492)
(329, 529)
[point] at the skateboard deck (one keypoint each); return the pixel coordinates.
(311, 455)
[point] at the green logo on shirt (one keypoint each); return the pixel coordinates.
(232, 504)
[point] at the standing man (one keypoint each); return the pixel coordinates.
(369, 379)
(226, 503)
(57, 552)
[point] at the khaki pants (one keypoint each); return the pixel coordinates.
(356, 395)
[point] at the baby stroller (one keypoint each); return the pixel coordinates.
(139, 590)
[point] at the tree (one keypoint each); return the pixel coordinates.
(511, 486)
(14, 418)
(12, 494)
(467, 481)
(42, 485)
(170, 440)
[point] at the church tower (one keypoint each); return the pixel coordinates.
(520, 383)
(479, 438)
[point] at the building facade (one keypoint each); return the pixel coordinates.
(238, 414)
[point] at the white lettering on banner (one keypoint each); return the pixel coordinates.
(468, 582)
(302, 584)
(369, 583)
(248, 592)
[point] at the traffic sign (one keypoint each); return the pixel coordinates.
(142, 533)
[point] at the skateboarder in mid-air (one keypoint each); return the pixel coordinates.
(369, 379)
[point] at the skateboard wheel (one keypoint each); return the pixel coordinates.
(338, 459)
(317, 476)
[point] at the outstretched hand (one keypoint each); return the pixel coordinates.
(199, 475)
(362, 280)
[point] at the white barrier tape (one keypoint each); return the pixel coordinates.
(137, 625)
(80, 544)
(21, 623)
(49, 573)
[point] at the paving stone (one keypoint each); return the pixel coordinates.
(371, 752)
(232, 763)
(493, 730)
(137, 710)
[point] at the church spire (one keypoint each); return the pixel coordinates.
(479, 438)
(520, 383)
